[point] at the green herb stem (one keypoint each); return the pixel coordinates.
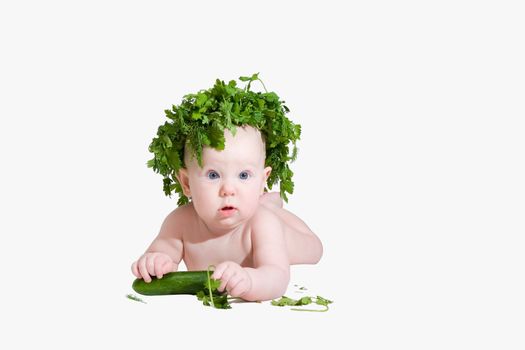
(209, 284)
(263, 85)
(135, 298)
(311, 310)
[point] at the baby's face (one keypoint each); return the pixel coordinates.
(226, 190)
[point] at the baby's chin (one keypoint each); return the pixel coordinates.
(232, 215)
(230, 219)
(223, 226)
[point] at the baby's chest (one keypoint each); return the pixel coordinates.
(199, 255)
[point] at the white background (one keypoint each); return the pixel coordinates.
(410, 169)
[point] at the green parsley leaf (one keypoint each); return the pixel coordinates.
(322, 301)
(210, 296)
(286, 301)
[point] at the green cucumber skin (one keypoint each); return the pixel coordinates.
(180, 282)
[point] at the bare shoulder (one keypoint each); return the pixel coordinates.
(184, 212)
(266, 225)
(177, 220)
(268, 239)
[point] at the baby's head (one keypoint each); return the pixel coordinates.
(229, 183)
(205, 122)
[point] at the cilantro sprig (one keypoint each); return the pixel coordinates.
(286, 301)
(201, 118)
(210, 296)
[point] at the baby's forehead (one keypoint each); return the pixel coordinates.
(246, 147)
(246, 136)
(238, 156)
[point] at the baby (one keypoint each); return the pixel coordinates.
(232, 223)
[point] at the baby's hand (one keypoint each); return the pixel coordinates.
(233, 277)
(153, 264)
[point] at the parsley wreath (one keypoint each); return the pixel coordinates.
(201, 118)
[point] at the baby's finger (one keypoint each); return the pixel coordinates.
(135, 270)
(219, 270)
(169, 266)
(150, 264)
(226, 279)
(143, 270)
(159, 267)
(232, 283)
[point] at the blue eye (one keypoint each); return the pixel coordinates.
(244, 175)
(212, 175)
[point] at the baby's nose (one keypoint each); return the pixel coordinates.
(227, 190)
(226, 193)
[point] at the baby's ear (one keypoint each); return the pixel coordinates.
(267, 172)
(184, 181)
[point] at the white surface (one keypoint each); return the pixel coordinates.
(410, 169)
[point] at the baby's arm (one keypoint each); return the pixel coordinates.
(165, 252)
(269, 277)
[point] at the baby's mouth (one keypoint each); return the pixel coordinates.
(227, 208)
(227, 211)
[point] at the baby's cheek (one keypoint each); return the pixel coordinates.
(203, 207)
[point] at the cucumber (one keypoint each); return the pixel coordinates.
(180, 282)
